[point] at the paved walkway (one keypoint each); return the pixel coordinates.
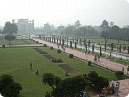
(124, 84)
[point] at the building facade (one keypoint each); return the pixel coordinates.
(25, 26)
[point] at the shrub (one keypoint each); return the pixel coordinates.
(3, 46)
(45, 45)
(89, 63)
(70, 55)
(58, 51)
(37, 42)
(119, 75)
(51, 48)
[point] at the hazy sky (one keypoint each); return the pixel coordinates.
(57, 12)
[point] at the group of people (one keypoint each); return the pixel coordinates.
(115, 86)
(97, 58)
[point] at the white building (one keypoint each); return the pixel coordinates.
(25, 26)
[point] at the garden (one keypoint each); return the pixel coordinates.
(16, 62)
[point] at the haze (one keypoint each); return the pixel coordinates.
(57, 12)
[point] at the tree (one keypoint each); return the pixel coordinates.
(69, 87)
(97, 82)
(13, 90)
(10, 38)
(51, 80)
(9, 88)
(10, 28)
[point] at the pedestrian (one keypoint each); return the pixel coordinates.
(95, 58)
(116, 88)
(37, 72)
(30, 65)
(84, 94)
(112, 84)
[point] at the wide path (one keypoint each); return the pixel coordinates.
(124, 84)
(103, 62)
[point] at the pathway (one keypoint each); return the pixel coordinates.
(124, 84)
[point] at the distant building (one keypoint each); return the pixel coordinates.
(25, 26)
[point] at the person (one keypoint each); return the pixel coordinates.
(88, 51)
(98, 58)
(84, 94)
(116, 89)
(37, 72)
(95, 58)
(30, 65)
(112, 84)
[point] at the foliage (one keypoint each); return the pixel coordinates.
(8, 88)
(10, 28)
(58, 51)
(3, 46)
(10, 38)
(45, 45)
(69, 87)
(70, 55)
(51, 48)
(98, 82)
(51, 79)
(119, 75)
(117, 33)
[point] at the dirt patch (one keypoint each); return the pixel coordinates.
(67, 68)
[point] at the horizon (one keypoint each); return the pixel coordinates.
(63, 12)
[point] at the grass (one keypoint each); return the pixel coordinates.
(15, 61)
(16, 42)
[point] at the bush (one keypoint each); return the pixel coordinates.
(97, 82)
(45, 45)
(119, 75)
(37, 42)
(58, 51)
(51, 48)
(3, 46)
(89, 63)
(70, 55)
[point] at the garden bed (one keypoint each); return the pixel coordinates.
(67, 68)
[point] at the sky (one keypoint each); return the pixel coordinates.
(63, 12)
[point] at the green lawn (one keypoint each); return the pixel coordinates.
(15, 61)
(16, 42)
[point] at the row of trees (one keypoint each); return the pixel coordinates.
(114, 32)
(69, 87)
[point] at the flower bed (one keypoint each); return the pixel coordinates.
(57, 60)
